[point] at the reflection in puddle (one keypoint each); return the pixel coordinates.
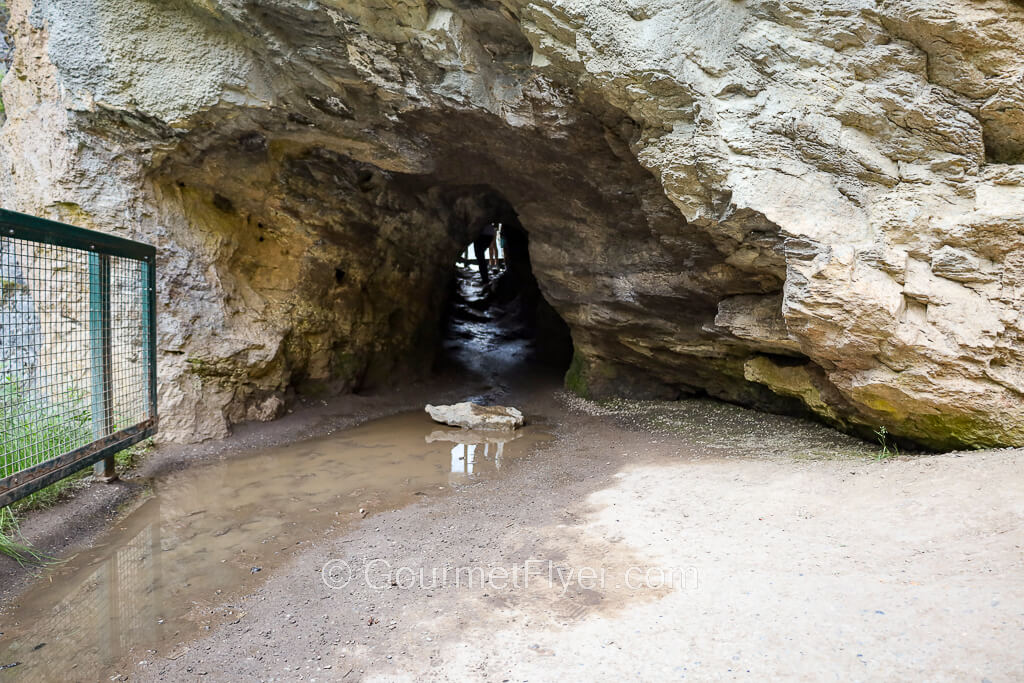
(169, 571)
(475, 452)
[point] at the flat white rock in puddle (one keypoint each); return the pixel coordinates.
(474, 416)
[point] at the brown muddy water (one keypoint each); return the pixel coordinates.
(169, 570)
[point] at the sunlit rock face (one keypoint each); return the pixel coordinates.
(798, 205)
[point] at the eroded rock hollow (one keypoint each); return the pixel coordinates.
(791, 204)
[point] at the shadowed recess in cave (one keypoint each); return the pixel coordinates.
(497, 324)
(335, 274)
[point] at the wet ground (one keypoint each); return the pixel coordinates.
(624, 541)
(479, 342)
(206, 536)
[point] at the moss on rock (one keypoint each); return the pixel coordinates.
(576, 376)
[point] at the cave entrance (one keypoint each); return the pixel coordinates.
(497, 323)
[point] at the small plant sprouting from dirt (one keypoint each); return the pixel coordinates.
(13, 545)
(888, 449)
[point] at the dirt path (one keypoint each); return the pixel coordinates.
(761, 565)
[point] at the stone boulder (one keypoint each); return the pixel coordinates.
(475, 416)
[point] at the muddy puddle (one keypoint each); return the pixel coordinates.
(169, 571)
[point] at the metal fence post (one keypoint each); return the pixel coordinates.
(101, 358)
(148, 274)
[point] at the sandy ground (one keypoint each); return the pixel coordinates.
(645, 557)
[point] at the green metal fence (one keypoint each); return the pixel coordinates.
(77, 350)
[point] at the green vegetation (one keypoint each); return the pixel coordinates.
(11, 541)
(31, 432)
(576, 377)
(885, 452)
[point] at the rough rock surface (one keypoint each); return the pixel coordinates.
(475, 416)
(792, 204)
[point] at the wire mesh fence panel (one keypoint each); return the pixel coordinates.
(77, 357)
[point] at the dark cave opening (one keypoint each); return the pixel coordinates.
(496, 321)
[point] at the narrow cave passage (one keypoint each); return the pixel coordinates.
(496, 323)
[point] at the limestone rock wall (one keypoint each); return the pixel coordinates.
(796, 205)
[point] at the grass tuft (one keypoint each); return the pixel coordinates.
(13, 544)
